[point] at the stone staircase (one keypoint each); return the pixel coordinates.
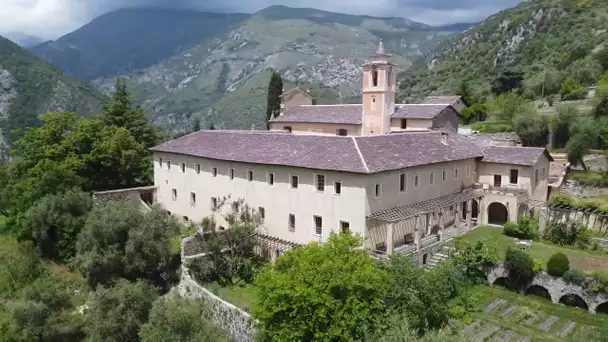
(438, 257)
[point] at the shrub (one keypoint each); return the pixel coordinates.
(511, 229)
(562, 233)
(574, 276)
(572, 90)
(520, 267)
(538, 266)
(527, 228)
(558, 264)
(457, 311)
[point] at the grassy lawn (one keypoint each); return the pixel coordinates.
(585, 329)
(241, 295)
(585, 260)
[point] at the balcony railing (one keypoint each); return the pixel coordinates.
(515, 189)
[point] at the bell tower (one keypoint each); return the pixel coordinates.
(379, 79)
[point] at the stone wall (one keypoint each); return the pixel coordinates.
(557, 287)
(238, 323)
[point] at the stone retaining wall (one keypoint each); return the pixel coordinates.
(238, 323)
(557, 287)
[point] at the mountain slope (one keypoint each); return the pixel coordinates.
(29, 87)
(534, 37)
(224, 79)
(130, 39)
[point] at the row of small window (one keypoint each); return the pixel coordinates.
(318, 224)
(294, 181)
(403, 180)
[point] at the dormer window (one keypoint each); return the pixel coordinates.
(342, 132)
(403, 123)
(287, 129)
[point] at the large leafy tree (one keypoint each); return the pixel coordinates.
(583, 135)
(174, 318)
(117, 313)
(321, 292)
(230, 250)
(55, 221)
(471, 261)
(120, 240)
(419, 295)
(507, 81)
(121, 112)
(275, 89)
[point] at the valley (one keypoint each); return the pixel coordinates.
(221, 74)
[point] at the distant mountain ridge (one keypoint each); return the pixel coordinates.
(131, 39)
(220, 73)
(29, 87)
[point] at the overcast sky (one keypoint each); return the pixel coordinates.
(49, 19)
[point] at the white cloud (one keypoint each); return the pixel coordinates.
(49, 19)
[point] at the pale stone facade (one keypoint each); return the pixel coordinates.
(405, 186)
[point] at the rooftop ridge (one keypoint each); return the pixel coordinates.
(332, 105)
(360, 154)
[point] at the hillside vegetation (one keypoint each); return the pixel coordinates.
(29, 87)
(223, 77)
(546, 40)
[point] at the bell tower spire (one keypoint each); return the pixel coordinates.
(379, 86)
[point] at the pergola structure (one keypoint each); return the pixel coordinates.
(408, 228)
(272, 247)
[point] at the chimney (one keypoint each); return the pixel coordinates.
(444, 138)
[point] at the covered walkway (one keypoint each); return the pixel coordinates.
(408, 228)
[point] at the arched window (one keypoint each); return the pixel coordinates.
(374, 77)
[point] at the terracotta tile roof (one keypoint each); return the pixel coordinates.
(526, 156)
(364, 154)
(418, 111)
(340, 114)
(445, 99)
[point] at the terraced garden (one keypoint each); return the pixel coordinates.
(502, 315)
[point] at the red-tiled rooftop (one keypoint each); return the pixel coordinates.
(351, 114)
(361, 154)
(525, 156)
(418, 111)
(442, 99)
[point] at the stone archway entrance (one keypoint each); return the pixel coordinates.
(497, 214)
(539, 291)
(602, 308)
(574, 301)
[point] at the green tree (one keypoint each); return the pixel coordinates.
(117, 313)
(601, 110)
(55, 221)
(602, 58)
(572, 90)
(174, 318)
(472, 261)
(323, 292)
(19, 269)
(562, 125)
(520, 268)
(584, 134)
(544, 83)
(464, 90)
(506, 106)
(477, 112)
(420, 296)
(531, 128)
(507, 81)
(231, 249)
(197, 125)
(121, 112)
(120, 240)
(275, 89)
